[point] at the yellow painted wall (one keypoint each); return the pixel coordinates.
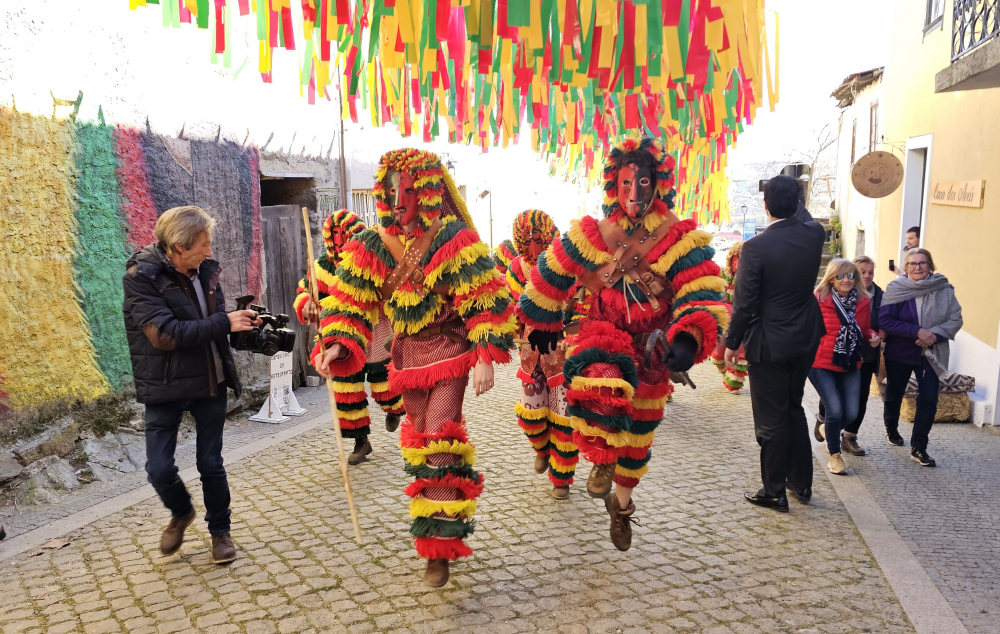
(966, 146)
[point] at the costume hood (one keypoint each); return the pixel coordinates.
(436, 192)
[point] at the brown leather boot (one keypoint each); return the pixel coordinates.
(361, 449)
(223, 550)
(850, 445)
(560, 493)
(391, 422)
(599, 481)
(436, 574)
(541, 463)
(173, 534)
(621, 522)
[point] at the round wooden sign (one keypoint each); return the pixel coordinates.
(877, 174)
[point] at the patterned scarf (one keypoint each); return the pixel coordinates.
(846, 349)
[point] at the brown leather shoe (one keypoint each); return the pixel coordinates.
(173, 534)
(436, 574)
(361, 450)
(819, 429)
(849, 444)
(621, 522)
(223, 550)
(599, 481)
(560, 493)
(541, 463)
(391, 422)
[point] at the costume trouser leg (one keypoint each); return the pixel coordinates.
(352, 405)
(437, 452)
(563, 451)
(391, 401)
(533, 411)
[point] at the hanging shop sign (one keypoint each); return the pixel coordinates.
(877, 174)
(959, 193)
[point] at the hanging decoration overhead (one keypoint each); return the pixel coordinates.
(574, 75)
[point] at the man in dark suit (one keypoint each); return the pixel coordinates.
(777, 319)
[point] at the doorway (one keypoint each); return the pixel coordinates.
(916, 186)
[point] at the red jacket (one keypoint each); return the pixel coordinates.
(862, 314)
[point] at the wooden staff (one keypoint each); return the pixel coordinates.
(313, 294)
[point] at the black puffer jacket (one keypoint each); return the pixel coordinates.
(168, 337)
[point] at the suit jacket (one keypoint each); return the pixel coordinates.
(775, 315)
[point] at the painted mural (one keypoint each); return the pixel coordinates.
(76, 199)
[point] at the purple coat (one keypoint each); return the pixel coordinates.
(901, 324)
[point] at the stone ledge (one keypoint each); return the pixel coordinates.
(976, 70)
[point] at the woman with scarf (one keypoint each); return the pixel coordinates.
(846, 307)
(920, 314)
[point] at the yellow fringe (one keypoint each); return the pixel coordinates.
(541, 300)
(563, 446)
(513, 283)
(704, 283)
(558, 419)
(650, 403)
(691, 240)
(347, 261)
(483, 330)
(615, 439)
(422, 507)
(467, 255)
(530, 414)
(554, 265)
(381, 386)
(586, 249)
(352, 414)
(561, 468)
(348, 388)
(631, 473)
(418, 455)
(406, 327)
(589, 383)
(465, 288)
(325, 276)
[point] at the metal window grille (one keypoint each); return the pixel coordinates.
(364, 206)
(975, 23)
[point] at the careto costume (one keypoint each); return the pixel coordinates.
(732, 378)
(616, 400)
(541, 410)
(352, 401)
(503, 255)
(449, 310)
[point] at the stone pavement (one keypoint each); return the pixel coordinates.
(703, 560)
(949, 516)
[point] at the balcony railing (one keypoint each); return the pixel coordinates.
(976, 22)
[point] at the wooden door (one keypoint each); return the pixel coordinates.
(281, 226)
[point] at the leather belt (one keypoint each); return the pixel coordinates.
(446, 328)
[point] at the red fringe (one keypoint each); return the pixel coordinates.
(595, 449)
(591, 230)
(560, 482)
(437, 548)
(636, 453)
(471, 489)
(568, 263)
(450, 249)
(626, 482)
(561, 436)
(348, 299)
(351, 322)
(703, 321)
(492, 354)
(533, 429)
(365, 259)
(566, 462)
(425, 378)
(351, 365)
(647, 391)
(645, 414)
(356, 424)
(578, 397)
(348, 398)
(707, 267)
(525, 377)
(409, 437)
(556, 381)
(547, 290)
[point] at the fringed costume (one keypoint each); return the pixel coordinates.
(349, 391)
(615, 400)
(449, 309)
(732, 378)
(541, 410)
(503, 255)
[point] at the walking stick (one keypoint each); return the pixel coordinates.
(313, 294)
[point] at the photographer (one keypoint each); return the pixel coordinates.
(177, 331)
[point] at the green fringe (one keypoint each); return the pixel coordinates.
(425, 471)
(436, 527)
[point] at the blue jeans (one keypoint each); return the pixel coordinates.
(840, 392)
(162, 423)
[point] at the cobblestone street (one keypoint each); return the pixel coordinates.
(703, 560)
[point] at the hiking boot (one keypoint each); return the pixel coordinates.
(893, 437)
(836, 465)
(921, 456)
(361, 449)
(391, 422)
(599, 481)
(223, 550)
(3, 534)
(851, 446)
(541, 463)
(560, 493)
(819, 429)
(621, 522)
(173, 534)
(436, 574)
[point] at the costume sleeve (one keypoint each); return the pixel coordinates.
(462, 261)
(351, 309)
(699, 309)
(515, 273)
(301, 298)
(555, 276)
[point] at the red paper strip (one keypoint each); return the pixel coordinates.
(244, 7)
(672, 12)
(220, 27)
(343, 12)
(443, 19)
(627, 63)
(184, 13)
(288, 31)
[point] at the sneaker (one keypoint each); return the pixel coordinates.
(836, 465)
(361, 449)
(599, 481)
(851, 446)
(921, 456)
(893, 437)
(223, 550)
(819, 429)
(173, 534)
(621, 522)
(391, 422)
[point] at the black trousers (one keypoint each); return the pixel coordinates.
(776, 389)
(897, 375)
(162, 422)
(868, 370)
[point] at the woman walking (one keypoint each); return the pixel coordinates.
(846, 307)
(920, 314)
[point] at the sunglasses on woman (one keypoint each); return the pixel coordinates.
(841, 276)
